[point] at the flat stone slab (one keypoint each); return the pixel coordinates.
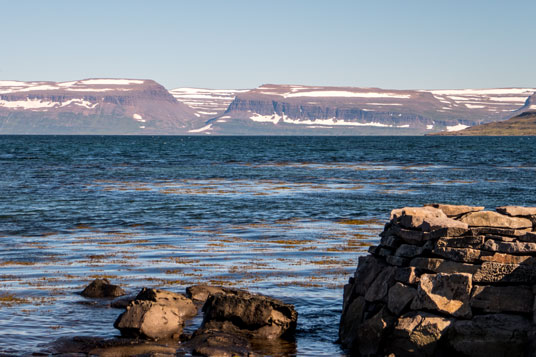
(510, 247)
(455, 210)
(445, 293)
(491, 272)
(502, 298)
(399, 297)
(439, 265)
(517, 211)
(494, 219)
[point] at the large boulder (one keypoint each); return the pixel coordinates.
(185, 306)
(445, 293)
(102, 288)
(494, 219)
(239, 312)
(200, 293)
(151, 320)
(418, 334)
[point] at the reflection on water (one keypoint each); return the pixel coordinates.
(287, 217)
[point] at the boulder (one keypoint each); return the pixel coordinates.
(185, 306)
(381, 284)
(417, 212)
(351, 319)
(502, 299)
(446, 293)
(432, 224)
(455, 210)
(372, 331)
(249, 314)
(418, 334)
(496, 220)
(491, 335)
(368, 269)
(102, 288)
(151, 320)
(200, 293)
(399, 297)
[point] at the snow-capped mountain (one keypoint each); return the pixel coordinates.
(91, 106)
(295, 109)
(207, 103)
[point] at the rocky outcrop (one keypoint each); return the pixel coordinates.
(445, 280)
(102, 288)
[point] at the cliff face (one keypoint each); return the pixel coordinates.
(302, 109)
(91, 106)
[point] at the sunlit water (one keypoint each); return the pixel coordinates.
(284, 216)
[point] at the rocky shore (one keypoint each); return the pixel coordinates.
(446, 280)
(152, 323)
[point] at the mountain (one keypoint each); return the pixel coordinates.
(207, 103)
(294, 109)
(520, 125)
(92, 106)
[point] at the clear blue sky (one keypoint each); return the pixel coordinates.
(244, 43)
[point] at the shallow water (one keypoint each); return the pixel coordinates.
(285, 216)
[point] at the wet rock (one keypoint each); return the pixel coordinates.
(445, 293)
(372, 331)
(399, 297)
(148, 319)
(418, 334)
(491, 335)
(239, 312)
(122, 302)
(502, 299)
(200, 293)
(381, 284)
(351, 320)
(455, 210)
(184, 305)
(214, 343)
(494, 219)
(102, 288)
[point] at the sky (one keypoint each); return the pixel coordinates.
(399, 44)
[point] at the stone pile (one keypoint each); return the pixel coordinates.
(446, 280)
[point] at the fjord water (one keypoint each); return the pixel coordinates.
(284, 216)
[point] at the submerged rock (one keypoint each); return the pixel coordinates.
(200, 293)
(214, 343)
(102, 288)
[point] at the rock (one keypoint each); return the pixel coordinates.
(446, 232)
(148, 319)
(368, 269)
(418, 334)
(122, 302)
(509, 247)
(371, 332)
(399, 297)
(406, 276)
(491, 272)
(502, 299)
(248, 314)
(419, 219)
(461, 242)
(509, 232)
(406, 235)
(496, 220)
(184, 305)
(381, 284)
(438, 265)
(213, 343)
(455, 210)
(416, 212)
(490, 336)
(351, 319)
(390, 241)
(508, 259)
(101, 288)
(397, 261)
(517, 211)
(464, 255)
(446, 293)
(200, 293)
(433, 224)
(408, 251)
(528, 237)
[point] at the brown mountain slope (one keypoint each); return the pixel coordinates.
(523, 124)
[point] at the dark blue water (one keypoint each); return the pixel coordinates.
(285, 216)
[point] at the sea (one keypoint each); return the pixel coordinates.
(287, 217)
